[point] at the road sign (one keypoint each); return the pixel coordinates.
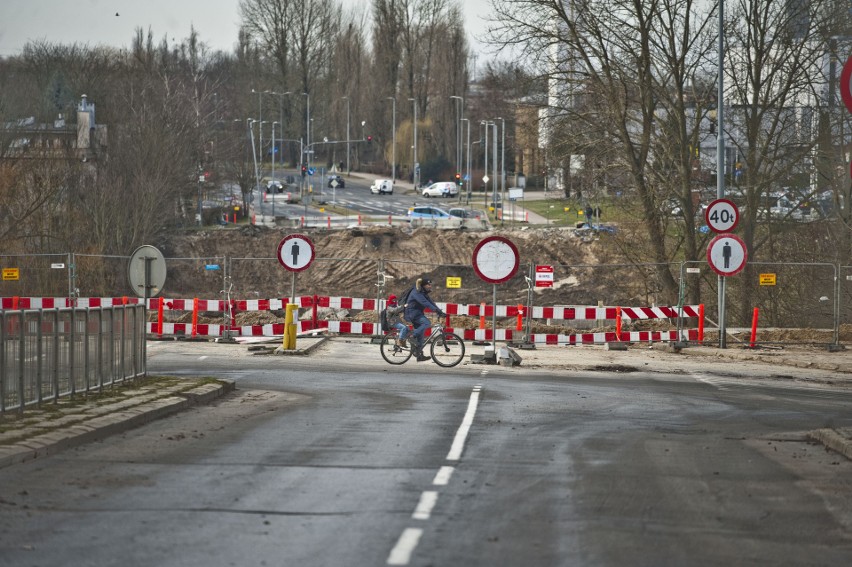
(296, 252)
(544, 276)
(722, 215)
(727, 254)
(11, 274)
(846, 84)
(767, 279)
(146, 271)
(495, 259)
(453, 282)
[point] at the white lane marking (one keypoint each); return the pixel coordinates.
(443, 476)
(401, 552)
(202, 357)
(464, 428)
(427, 502)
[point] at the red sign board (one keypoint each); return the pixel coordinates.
(544, 276)
(846, 84)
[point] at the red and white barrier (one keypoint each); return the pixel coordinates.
(481, 311)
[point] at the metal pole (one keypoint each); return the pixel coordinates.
(494, 320)
(393, 140)
(485, 168)
(272, 159)
(348, 169)
(415, 173)
(503, 169)
(720, 157)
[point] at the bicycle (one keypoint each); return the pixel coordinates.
(446, 348)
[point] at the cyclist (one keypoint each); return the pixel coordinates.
(418, 301)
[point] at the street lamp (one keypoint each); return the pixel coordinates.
(416, 164)
(458, 131)
(502, 162)
(280, 116)
(308, 127)
(348, 170)
(393, 143)
(274, 185)
(259, 117)
(467, 169)
(250, 122)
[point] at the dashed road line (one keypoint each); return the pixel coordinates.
(405, 546)
(427, 502)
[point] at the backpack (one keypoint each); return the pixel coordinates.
(383, 320)
(403, 299)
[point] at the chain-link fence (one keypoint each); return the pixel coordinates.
(812, 301)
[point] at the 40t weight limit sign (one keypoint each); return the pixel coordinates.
(722, 216)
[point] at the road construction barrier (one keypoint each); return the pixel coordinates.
(229, 309)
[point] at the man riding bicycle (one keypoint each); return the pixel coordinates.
(418, 301)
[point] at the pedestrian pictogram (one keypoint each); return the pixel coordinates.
(727, 254)
(296, 252)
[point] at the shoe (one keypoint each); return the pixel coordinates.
(401, 343)
(422, 358)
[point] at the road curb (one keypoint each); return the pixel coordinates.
(833, 440)
(103, 426)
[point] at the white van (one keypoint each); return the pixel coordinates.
(381, 186)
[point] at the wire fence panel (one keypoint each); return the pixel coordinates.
(35, 275)
(52, 353)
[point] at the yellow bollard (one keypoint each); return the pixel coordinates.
(290, 317)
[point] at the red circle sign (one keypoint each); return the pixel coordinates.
(296, 252)
(495, 259)
(727, 254)
(722, 215)
(846, 84)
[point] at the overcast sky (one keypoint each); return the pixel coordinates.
(112, 22)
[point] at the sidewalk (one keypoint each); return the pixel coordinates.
(55, 427)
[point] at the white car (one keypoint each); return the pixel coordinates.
(381, 186)
(441, 189)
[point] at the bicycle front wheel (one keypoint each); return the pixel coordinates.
(391, 352)
(447, 350)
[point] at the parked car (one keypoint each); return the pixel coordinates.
(339, 179)
(382, 186)
(427, 212)
(463, 213)
(274, 186)
(441, 189)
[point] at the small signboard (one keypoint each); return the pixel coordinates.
(58, 266)
(767, 279)
(544, 276)
(453, 282)
(11, 274)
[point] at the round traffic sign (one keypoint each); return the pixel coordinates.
(495, 259)
(727, 254)
(846, 84)
(146, 271)
(722, 215)
(296, 252)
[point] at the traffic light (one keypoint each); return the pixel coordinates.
(369, 139)
(458, 179)
(304, 170)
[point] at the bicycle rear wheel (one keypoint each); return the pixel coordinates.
(447, 349)
(391, 352)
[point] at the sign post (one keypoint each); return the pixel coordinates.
(495, 260)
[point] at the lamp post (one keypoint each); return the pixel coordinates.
(280, 116)
(502, 164)
(467, 157)
(308, 127)
(416, 164)
(485, 167)
(250, 122)
(259, 118)
(393, 142)
(458, 131)
(272, 159)
(348, 170)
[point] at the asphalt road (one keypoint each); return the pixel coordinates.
(341, 459)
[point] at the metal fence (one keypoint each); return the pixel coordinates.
(787, 295)
(50, 353)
